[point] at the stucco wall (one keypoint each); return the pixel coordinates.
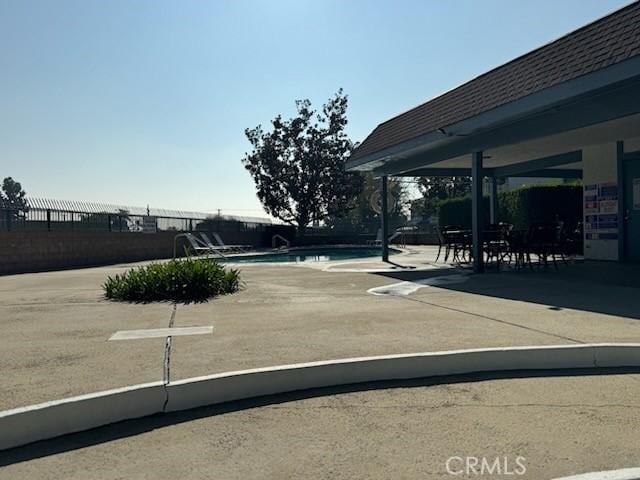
(632, 145)
(22, 252)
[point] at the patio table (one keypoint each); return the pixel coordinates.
(494, 247)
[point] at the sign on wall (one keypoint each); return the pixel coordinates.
(601, 211)
(149, 224)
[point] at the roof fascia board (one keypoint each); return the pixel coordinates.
(550, 173)
(490, 172)
(409, 147)
(539, 167)
(438, 172)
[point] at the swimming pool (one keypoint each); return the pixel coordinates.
(310, 254)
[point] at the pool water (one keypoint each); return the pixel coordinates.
(311, 254)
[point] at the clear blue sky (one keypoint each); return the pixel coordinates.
(138, 102)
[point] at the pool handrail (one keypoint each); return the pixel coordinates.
(396, 235)
(279, 237)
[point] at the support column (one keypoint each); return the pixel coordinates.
(622, 208)
(493, 200)
(384, 220)
(477, 224)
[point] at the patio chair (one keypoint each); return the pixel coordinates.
(222, 246)
(495, 242)
(546, 242)
(442, 243)
(572, 240)
(457, 243)
(517, 247)
(561, 246)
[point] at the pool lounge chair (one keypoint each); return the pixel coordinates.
(378, 240)
(221, 245)
(198, 247)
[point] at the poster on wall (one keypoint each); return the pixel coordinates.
(601, 211)
(590, 199)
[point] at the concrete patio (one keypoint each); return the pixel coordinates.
(56, 325)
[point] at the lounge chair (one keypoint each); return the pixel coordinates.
(221, 245)
(200, 248)
(378, 240)
(205, 240)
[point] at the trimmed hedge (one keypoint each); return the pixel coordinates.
(522, 207)
(541, 204)
(185, 280)
(457, 211)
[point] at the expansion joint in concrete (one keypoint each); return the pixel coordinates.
(166, 364)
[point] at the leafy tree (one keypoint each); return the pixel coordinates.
(219, 223)
(361, 217)
(12, 195)
(436, 189)
(12, 199)
(100, 221)
(299, 166)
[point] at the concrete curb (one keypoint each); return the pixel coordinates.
(47, 420)
(624, 474)
(24, 425)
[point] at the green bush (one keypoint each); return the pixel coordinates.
(457, 211)
(540, 205)
(522, 207)
(185, 280)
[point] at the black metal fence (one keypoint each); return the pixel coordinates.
(55, 215)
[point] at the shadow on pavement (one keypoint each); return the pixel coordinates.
(600, 287)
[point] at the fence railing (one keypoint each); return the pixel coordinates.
(52, 215)
(55, 220)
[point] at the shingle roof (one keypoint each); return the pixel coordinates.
(607, 41)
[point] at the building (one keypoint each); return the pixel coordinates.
(569, 109)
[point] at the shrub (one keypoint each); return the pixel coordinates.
(457, 211)
(185, 280)
(541, 205)
(522, 207)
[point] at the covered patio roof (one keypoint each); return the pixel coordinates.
(530, 117)
(582, 85)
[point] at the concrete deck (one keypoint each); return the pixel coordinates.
(56, 325)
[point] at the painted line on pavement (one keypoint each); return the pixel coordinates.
(407, 288)
(340, 268)
(160, 332)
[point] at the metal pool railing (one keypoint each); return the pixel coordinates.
(281, 238)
